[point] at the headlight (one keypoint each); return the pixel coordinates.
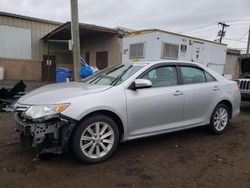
(36, 112)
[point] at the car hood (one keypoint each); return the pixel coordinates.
(56, 93)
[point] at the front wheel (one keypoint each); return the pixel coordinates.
(219, 119)
(95, 139)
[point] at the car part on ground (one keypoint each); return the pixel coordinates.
(8, 97)
(122, 103)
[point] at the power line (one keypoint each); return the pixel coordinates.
(240, 39)
(235, 40)
(237, 20)
(214, 25)
(199, 27)
(245, 23)
(203, 30)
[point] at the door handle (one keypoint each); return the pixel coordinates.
(177, 93)
(216, 88)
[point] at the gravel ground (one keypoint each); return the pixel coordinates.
(192, 158)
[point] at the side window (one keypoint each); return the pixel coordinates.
(192, 75)
(209, 77)
(162, 76)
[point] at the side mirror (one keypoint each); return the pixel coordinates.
(142, 83)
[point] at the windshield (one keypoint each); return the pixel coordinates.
(114, 75)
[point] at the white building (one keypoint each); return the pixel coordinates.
(158, 45)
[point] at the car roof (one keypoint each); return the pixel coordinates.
(162, 61)
(154, 62)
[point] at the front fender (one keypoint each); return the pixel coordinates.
(112, 100)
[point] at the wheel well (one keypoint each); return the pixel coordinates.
(229, 105)
(110, 114)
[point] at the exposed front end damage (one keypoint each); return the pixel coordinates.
(49, 135)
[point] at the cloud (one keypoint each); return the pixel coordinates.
(175, 15)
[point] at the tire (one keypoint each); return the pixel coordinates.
(219, 119)
(89, 146)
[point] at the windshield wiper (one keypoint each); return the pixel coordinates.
(118, 78)
(102, 76)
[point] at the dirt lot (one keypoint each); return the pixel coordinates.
(190, 158)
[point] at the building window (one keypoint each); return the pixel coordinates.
(137, 50)
(170, 51)
(183, 48)
(15, 42)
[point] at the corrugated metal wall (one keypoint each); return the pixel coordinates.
(19, 67)
(15, 42)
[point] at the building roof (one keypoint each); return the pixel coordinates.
(232, 51)
(146, 31)
(29, 18)
(63, 32)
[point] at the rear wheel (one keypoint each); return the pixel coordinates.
(95, 139)
(219, 119)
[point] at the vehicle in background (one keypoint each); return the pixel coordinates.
(244, 85)
(125, 102)
(244, 80)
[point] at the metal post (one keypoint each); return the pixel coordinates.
(248, 41)
(75, 39)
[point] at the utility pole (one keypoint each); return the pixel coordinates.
(222, 32)
(75, 39)
(248, 41)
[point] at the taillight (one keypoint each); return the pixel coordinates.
(237, 84)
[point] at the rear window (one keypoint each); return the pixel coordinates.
(192, 75)
(209, 77)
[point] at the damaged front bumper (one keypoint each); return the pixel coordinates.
(47, 136)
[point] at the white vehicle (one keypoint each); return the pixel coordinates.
(122, 103)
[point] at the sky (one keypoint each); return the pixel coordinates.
(197, 18)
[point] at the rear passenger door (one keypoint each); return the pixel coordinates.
(201, 93)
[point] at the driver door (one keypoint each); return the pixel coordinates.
(158, 108)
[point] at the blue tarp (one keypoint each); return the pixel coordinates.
(86, 70)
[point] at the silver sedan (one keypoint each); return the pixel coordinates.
(128, 101)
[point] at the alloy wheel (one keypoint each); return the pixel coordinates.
(97, 140)
(220, 119)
